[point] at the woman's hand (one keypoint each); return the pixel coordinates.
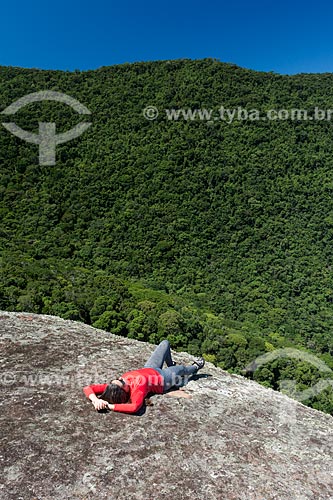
(100, 404)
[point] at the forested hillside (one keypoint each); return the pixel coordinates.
(216, 235)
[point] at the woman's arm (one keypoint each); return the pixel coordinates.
(91, 390)
(137, 399)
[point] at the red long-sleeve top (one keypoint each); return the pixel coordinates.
(141, 382)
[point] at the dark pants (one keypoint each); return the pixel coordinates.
(174, 376)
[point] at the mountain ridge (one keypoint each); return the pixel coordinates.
(234, 219)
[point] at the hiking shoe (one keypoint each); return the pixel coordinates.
(200, 362)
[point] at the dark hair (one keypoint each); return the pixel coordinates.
(115, 394)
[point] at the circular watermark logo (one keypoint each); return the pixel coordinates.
(150, 113)
(288, 386)
(47, 137)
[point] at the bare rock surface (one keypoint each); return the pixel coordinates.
(233, 440)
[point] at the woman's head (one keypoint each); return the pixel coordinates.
(116, 393)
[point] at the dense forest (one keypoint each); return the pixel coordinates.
(215, 235)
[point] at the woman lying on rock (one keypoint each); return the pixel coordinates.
(127, 393)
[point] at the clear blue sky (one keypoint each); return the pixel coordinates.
(282, 36)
